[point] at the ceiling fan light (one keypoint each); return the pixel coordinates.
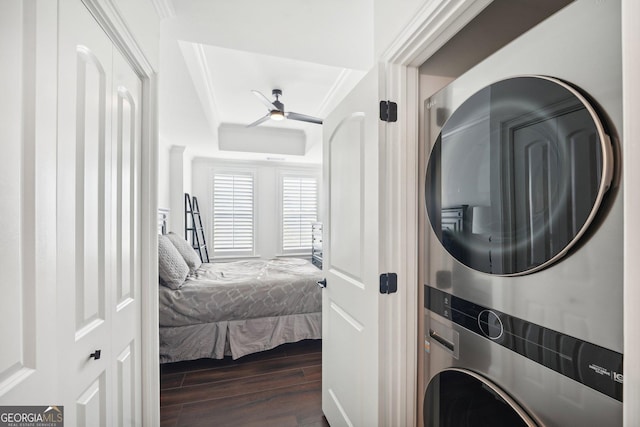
(277, 115)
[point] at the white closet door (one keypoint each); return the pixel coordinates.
(98, 225)
(125, 239)
(27, 201)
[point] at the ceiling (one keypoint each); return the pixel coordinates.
(213, 53)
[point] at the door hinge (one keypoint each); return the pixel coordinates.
(388, 111)
(388, 283)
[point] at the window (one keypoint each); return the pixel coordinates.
(233, 214)
(299, 211)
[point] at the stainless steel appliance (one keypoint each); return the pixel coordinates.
(524, 274)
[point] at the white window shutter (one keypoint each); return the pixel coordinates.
(299, 211)
(233, 214)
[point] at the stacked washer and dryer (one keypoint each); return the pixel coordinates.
(524, 288)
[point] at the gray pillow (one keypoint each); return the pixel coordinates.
(172, 268)
(189, 254)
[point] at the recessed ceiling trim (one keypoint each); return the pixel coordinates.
(205, 74)
(268, 140)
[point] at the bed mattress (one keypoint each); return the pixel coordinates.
(238, 308)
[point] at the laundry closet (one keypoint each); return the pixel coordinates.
(523, 247)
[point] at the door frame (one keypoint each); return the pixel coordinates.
(109, 18)
(430, 28)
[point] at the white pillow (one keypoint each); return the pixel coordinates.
(189, 254)
(172, 268)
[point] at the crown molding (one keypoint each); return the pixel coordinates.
(430, 28)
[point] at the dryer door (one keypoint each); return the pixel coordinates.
(517, 174)
(460, 398)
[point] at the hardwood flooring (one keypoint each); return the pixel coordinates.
(279, 388)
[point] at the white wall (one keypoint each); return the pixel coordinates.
(332, 32)
(266, 203)
(174, 179)
(164, 149)
(187, 170)
(182, 120)
(389, 18)
(176, 188)
(178, 103)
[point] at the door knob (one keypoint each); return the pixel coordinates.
(95, 354)
(322, 283)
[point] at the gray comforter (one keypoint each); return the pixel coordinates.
(242, 290)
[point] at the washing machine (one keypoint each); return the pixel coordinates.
(523, 291)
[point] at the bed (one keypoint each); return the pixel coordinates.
(233, 308)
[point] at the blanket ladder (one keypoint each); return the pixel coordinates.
(193, 229)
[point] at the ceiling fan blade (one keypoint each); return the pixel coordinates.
(267, 103)
(260, 120)
(303, 118)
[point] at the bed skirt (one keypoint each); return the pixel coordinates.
(236, 338)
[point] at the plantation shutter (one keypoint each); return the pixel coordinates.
(299, 211)
(233, 213)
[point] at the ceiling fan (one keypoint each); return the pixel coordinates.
(277, 112)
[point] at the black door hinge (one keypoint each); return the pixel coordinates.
(388, 283)
(388, 111)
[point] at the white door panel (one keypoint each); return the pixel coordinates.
(13, 363)
(346, 146)
(27, 256)
(125, 305)
(127, 404)
(350, 301)
(90, 407)
(98, 224)
(84, 150)
(90, 187)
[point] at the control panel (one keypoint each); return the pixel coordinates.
(596, 367)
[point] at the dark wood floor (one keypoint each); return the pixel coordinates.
(279, 388)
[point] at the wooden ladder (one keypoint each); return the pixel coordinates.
(193, 230)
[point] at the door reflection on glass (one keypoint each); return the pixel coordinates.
(516, 175)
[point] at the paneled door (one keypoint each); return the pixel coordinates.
(553, 193)
(350, 306)
(98, 228)
(28, 371)
(125, 243)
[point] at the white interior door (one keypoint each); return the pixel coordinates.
(125, 243)
(98, 225)
(350, 311)
(28, 370)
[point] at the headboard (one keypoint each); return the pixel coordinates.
(163, 220)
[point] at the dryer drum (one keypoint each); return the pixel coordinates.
(461, 398)
(517, 174)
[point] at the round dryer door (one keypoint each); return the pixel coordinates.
(517, 174)
(461, 398)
